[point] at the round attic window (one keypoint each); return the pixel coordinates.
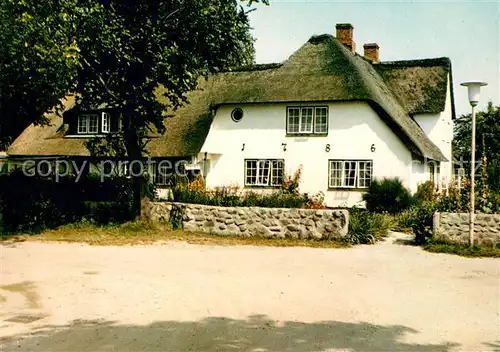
(237, 115)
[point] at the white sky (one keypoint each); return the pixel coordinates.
(465, 31)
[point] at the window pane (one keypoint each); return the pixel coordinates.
(251, 172)
(163, 173)
(82, 123)
(349, 173)
(432, 171)
(106, 121)
(321, 120)
(93, 123)
(335, 173)
(365, 174)
(277, 172)
(152, 172)
(293, 120)
(263, 167)
(306, 120)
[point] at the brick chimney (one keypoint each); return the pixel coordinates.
(344, 35)
(372, 52)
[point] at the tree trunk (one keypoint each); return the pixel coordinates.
(134, 152)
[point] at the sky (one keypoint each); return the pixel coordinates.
(467, 32)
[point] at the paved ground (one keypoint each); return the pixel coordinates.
(177, 297)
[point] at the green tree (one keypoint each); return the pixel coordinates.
(121, 52)
(38, 62)
(487, 141)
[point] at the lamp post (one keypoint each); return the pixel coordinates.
(474, 88)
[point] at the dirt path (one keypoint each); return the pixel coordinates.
(178, 297)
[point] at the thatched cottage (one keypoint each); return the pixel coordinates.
(344, 118)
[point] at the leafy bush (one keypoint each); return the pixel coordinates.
(454, 201)
(287, 196)
(291, 182)
(405, 220)
(316, 201)
(494, 198)
(422, 223)
(426, 192)
(366, 227)
(388, 195)
(33, 203)
(232, 197)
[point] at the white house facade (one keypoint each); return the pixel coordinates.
(353, 147)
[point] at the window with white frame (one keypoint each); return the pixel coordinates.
(164, 170)
(350, 173)
(434, 171)
(307, 120)
(459, 176)
(264, 172)
(88, 123)
(105, 122)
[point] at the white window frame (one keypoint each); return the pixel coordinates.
(105, 122)
(316, 123)
(434, 172)
(84, 128)
(83, 124)
(367, 167)
(161, 178)
(303, 127)
(268, 174)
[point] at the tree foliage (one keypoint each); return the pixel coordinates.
(487, 141)
(38, 62)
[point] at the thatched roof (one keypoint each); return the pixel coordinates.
(419, 85)
(321, 70)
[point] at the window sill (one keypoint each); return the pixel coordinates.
(102, 135)
(346, 189)
(307, 135)
(262, 187)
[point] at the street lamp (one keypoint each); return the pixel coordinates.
(473, 87)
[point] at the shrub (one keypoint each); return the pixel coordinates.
(291, 183)
(34, 203)
(426, 192)
(232, 196)
(454, 201)
(494, 198)
(422, 223)
(316, 201)
(387, 195)
(406, 219)
(366, 227)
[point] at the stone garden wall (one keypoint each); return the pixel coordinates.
(455, 227)
(252, 221)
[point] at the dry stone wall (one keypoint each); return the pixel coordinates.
(252, 221)
(455, 227)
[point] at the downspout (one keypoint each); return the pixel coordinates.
(205, 166)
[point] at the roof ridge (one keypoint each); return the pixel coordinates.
(254, 67)
(436, 61)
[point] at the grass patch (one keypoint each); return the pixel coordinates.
(439, 246)
(137, 233)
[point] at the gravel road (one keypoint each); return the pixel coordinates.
(180, 297)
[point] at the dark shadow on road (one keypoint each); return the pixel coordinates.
(405, 242)
(257, 333)
(493, 346)
(403, 238)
